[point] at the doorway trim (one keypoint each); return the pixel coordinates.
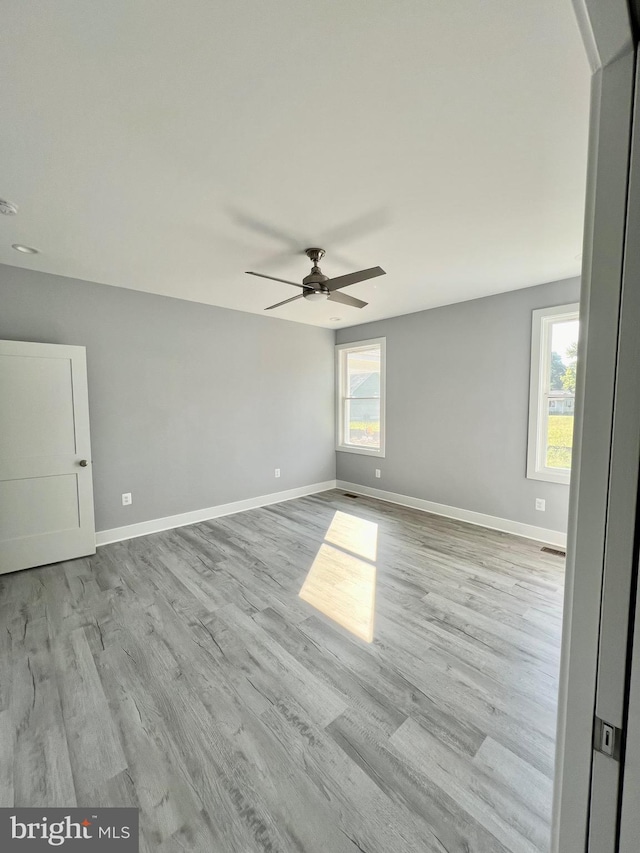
(578, 810)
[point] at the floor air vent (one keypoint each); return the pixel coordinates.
(349, 495)
(555, 551)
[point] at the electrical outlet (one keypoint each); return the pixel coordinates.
(126, 499)
(277, 473)
(540, 504)
(378, 473)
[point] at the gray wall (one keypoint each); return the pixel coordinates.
(457, 407)
(191, 406)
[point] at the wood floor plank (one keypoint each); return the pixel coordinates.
(493, 806)
(380, 678)
(238, 719)
(7, 748)
(478, 669)
(94, 746)
(42, 773)
(524, 782)
(403, 631)
(218, 771)
(161, 788)
(183, 674)
(360, 808)
(452, 827)
(273, 666)
(489, 711)
(493, 632)
(6, 670)
(376, 706)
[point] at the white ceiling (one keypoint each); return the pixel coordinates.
(168, 146)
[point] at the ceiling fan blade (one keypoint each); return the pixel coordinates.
(353, 278)
(284, 302)
(346, 300)
(283, 280)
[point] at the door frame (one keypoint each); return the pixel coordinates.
(601, 526)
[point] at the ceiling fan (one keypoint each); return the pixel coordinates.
(317, 286)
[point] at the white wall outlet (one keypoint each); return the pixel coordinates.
(378, 473)
(277, 473)
(126, 499)
(541, 504)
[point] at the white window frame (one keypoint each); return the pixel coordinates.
(341, 366)
(542, 321)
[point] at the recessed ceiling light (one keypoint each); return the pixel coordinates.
(26, 250)
(335, 319)
(7, 207)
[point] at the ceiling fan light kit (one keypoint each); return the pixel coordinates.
(318, 287)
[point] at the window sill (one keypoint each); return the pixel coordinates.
(362, 451)
(550, 476)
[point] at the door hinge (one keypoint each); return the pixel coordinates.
(607, 739)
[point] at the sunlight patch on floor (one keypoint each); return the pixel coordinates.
(340, 583)
(354, 534)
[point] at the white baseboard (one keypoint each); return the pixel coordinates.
(505, 525)
(156, 525)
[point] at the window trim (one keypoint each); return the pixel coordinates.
(340, 366)
(542, 319)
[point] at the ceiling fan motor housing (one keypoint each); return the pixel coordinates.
(316, 278)
(316, 282)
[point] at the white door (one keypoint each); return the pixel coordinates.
(46, 491)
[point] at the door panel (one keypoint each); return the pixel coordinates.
(46, 495)
(43, 422)
(31, 506)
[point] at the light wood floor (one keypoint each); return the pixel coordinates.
(184, 674)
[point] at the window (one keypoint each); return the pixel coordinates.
(554, 354)
(360, 372)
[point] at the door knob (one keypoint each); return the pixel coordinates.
(83, 463)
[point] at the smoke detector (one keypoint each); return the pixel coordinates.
(7, 208)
